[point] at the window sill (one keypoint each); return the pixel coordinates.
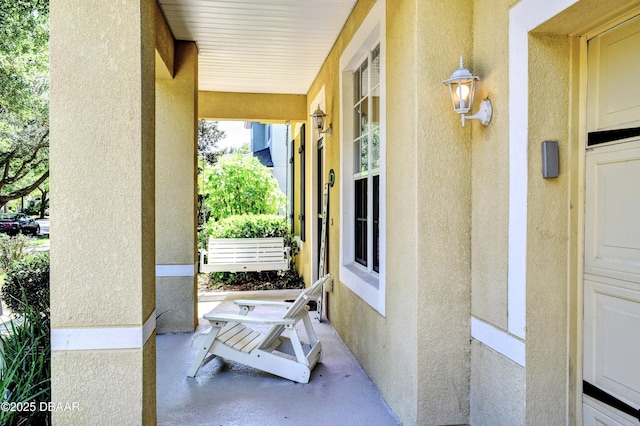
(365, 285)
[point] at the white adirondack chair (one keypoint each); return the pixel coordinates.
(230, 338)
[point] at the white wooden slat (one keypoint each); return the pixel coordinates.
(235, 329)
(245, 254)
(251, 341)
(238, 337)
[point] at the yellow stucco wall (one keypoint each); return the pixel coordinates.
(547, 233)
(260, 107)
(550, 379)
(443, 149)
(103, 185)
(176, 160)
(112, 212)
(176, 192)
(492, 374)
(428, 218)
(447, 209)
(165, 46)
(490, 158)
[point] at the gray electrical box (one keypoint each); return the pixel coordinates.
(549, 159)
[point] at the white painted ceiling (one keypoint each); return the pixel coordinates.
(258, 46)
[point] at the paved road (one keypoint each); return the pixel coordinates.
(44, 226)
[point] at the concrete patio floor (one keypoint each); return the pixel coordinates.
(228, 393)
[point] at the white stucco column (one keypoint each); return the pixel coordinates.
(103, 211)
(176, 193)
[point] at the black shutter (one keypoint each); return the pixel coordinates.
(302, 180)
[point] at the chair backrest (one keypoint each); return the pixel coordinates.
(294, 310)
(309, 293)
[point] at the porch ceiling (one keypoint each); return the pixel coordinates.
(258, 46)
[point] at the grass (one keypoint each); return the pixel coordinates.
(40, 241)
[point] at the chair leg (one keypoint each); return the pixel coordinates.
(311, 334)
(201, 357)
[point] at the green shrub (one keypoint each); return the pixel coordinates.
(238, 185)
(250, 226)
(28, 277)
(12, 249)
(25, 375)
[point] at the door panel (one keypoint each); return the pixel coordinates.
(597, 414)
(613, 199)
(612, 274)
(613, 85)
(611, 281)
(611, 336)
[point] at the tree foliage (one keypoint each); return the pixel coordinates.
(24, 97)
(208, 137)
(238, 185)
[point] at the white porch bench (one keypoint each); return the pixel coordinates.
(244, 255)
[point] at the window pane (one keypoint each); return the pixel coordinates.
(360, 242)
(375, 106)
(356, 84)
(357, 121)
(364, 115)
(364, 80)
(375, 66)
(364, 154)
(376, 227)
(357, 166)
(375, 148)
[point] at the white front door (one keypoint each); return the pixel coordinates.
(611, 282)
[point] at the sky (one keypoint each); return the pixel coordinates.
(237, 135)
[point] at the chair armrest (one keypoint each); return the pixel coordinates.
(247, 302)
(216, 317)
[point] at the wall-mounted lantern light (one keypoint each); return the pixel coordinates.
(462, 87)
(319, 118)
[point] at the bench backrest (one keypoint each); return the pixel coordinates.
(246, 250)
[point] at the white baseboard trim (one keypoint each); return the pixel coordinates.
(103, 338)
(177, 270)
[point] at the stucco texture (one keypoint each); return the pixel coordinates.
(497, 389)
(126, 394)
(376, 341)
(444, 217)
(176, 310)
(428, 205)
(490, 159)
(176, 161)
(103, 213)
(261, 107)
(547, 233)
(102, 164)
(497, 383)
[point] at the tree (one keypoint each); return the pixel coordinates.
(208, 137)
(24, 97)
(238, 185)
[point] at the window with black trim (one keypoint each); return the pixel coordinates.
(366, 155)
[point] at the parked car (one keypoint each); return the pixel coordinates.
(18, 223)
